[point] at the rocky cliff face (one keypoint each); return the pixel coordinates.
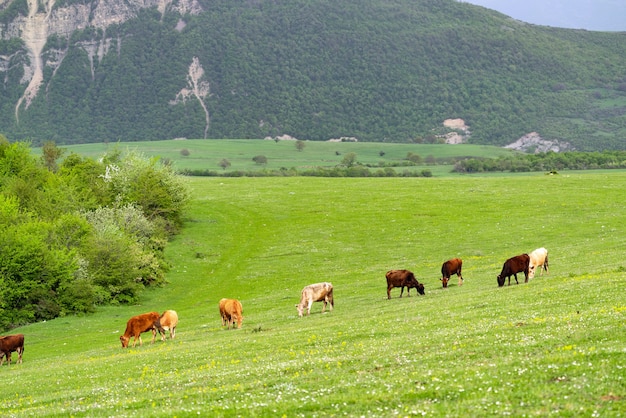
(43, 20)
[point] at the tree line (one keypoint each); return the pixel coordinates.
(78, 233)
(548, 161)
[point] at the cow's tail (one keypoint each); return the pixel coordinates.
(331, 297)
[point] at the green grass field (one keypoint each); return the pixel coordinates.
(206, 154)
(555, 346)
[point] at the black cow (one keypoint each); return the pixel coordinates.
(512, 266)
(402, 279)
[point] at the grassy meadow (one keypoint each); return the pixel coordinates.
(198, 154)
(555, 346)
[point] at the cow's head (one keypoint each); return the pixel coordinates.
(501, 280)
(444, 281)
(124, 339)
(300, 308)
(531, 272)
(420, 288)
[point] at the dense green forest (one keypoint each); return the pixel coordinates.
(320, 69)
(81, 233)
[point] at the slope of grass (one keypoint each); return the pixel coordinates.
(207, 154)
(553, 346)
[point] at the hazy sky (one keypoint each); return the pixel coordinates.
(606, 15)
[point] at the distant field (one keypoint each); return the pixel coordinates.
(206, 154)
(553, 346)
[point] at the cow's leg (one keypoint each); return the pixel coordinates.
(389, 292)
(154, 333)
(460, 279)
(1, 358)
(526, 276)
(324, 302)
(20, 351)
(8, 358)
(308, 308)
(401, 291)
(172, 333)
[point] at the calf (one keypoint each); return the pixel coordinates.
(538, 258)
(318, 292)
(402, 279)
(141, 323)
(512, 266)
(168, 321)
(9, 344)
(449, 268)
(231, 311)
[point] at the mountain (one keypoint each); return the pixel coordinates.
(78, 71)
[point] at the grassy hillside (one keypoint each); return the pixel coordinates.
(555, 345)
(320, 69)
(206, 154)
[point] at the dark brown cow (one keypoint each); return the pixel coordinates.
(141, 323)
(9, 344)
(449, 268)
(512, 266)
(402, 279)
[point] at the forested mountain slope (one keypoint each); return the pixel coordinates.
(81, 71)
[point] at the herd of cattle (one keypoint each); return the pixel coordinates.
(231, 310)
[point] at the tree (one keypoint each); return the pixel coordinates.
(50, 154)
(224, 163)
(349, 159)
(300, 145)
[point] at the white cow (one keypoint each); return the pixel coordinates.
(538, 258)
(318, 292)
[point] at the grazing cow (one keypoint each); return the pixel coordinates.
(512, 266)
(168, 321)
(231, 311)
(449, 268)
(9, 344)
(538, 258)
(318, 292)
(402, 279)
(141, 323)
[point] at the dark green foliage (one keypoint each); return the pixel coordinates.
(325, 69)
(549, 162)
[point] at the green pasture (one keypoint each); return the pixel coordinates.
(555, 346)
(200, 154)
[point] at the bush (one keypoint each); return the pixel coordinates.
(260, 159)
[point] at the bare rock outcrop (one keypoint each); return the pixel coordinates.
(534, 143)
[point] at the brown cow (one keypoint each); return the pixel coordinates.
(231, 311)
(512, 266)
(9, 344)
(449, 268)
(168, 321)
(141, 323)
(318, 292)
(402, 279)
